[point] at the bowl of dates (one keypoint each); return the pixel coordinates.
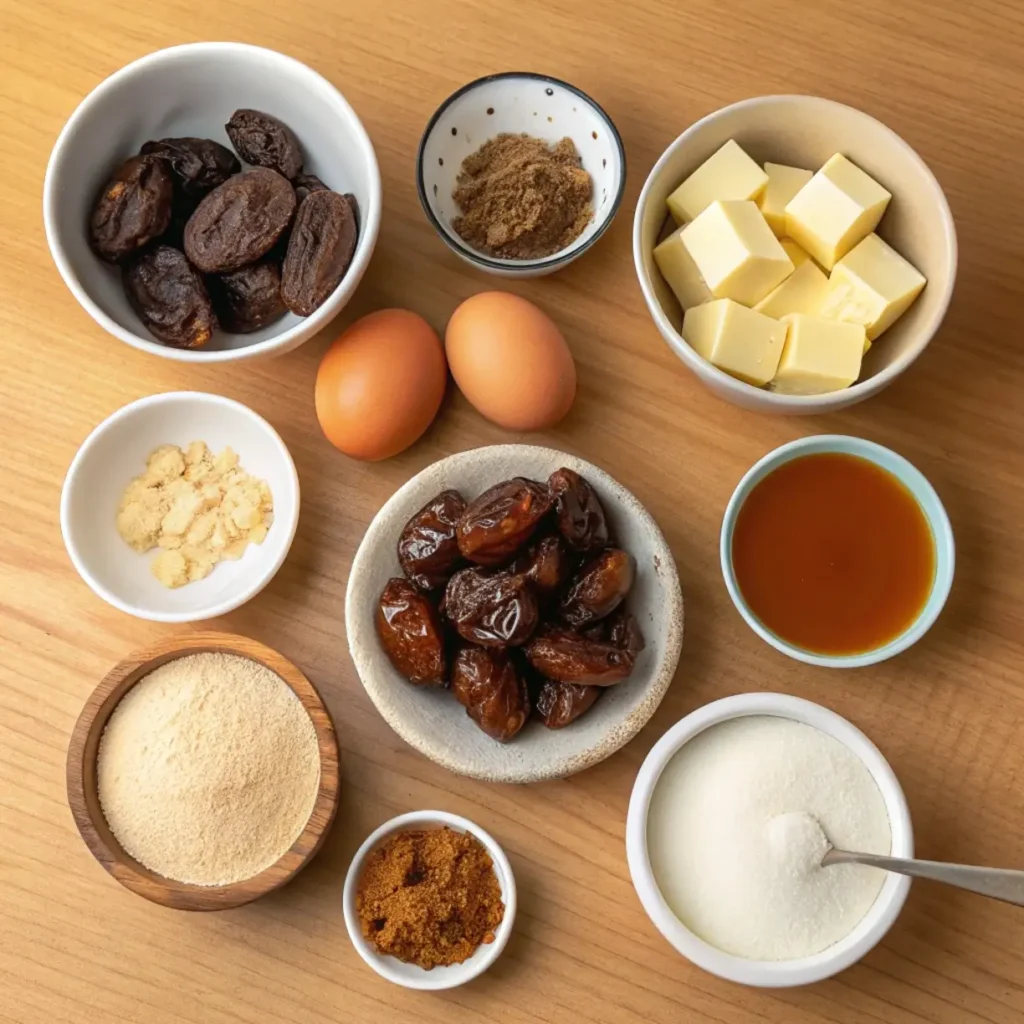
(213, 202)
(514, 613)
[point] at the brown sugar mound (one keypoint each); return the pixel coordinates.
(522, 199)
(429, 898)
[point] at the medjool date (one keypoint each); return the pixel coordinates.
(264, 141)
(133, 208)
(624, 632)
(199, 165)
(598, 589)
(491, 609)
(239, 221)
(560, 704)
(580, 515)
(248, 298)
(495, 525)
(566, 656)
(169, 297)
(320, 250)
(493, 693)
(306, 183)
(410, 632)
(545, 564)
(427, 549)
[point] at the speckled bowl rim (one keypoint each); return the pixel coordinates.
(618, 735)
(563, 256)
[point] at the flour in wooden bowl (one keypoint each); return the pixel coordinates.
(208, 769)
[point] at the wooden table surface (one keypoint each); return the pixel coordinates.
(949, 714)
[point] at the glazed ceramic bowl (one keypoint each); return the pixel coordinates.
(778, 973)
(409, 975)
(116, 452)
(919, 487)
(431, 720)
(804, 131)
(518, 102)
(193, 90)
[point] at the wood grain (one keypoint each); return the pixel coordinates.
(83, 791)
(948, 714)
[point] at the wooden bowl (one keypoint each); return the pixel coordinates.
(83, 795)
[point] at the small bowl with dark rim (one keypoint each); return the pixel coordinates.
(518, 102)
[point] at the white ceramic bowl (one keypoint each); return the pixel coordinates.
(518, 102)
(193, 90)
(911, 478)
(431, 720)
(805, 131)
(116, 452)
(409, 975)
(779, 973)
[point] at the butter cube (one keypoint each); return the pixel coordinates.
(680, 272)
(797, 253)
(728, 174)
(783, 183)
(872, 285)
(736, 252)
(819, 356)
(837, 208)
(737, 340)
(802, 292)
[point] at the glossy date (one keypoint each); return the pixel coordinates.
(410, 632)
(493, 693)
(560, 704)
(579, 513)
(598, 589)
(501, 520)
(491, 609)
(428, 550)
(566, 656)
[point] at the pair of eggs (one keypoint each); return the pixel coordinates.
(381, 383)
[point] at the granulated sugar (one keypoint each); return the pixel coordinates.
(208, 769)
(738, 824)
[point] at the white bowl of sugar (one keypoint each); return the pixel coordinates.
(729, 818)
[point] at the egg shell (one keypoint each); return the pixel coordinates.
(380, 384)
(510, 361)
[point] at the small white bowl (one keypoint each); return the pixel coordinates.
(911, 478)
(778, 973)
(518, 102)
(193, 90)
(116, 452)
(805, 131)
(409, 975)
(430, 719)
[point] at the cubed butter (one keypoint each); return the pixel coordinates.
(872, 285)
(735, 251)
(819, 356)
(802, 292)
(737, 340)
(783, 183)
(837, 208)
(797, 253)
(680, 272)
(728, 174)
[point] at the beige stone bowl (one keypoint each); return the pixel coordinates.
(432, 721)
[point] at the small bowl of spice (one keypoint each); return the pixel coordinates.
(520, 173)
(429, 900)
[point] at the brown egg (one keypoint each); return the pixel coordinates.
(510, 361)
(380, 384)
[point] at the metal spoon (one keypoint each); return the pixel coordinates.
(998, 883)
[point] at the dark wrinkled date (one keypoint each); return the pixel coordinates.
(248, 298)
(320, 249)
(410, 632)
(560, 704)
(199, 165)
(565, 656)
(306, 183)
(491, 609)
(133, 208)
(598, 589)
(493, 693)
(579, 513)
(545, 564)
(264, 141)
(499, 522)
(427, 549)
(169, 297)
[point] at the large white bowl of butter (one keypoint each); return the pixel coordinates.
(806, 131)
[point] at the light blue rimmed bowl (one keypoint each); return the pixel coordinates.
(919, 487)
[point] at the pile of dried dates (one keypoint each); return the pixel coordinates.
(204, 244)
(514, 601)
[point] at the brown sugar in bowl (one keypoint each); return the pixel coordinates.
(83, 795)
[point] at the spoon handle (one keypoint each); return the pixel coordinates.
(999, 883)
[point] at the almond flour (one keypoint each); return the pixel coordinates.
(208, 769)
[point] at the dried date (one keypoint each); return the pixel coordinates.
(566, 656)
(427, 549)
(239, 221)
(560, 704)
(580, 515)
(198, 165)
(493, 693)
(320, 249)
(624, 632)
(598, 589)
(133, 208)
(248, 298)
(264, 141)
(545, 564)
(491, 609)
(410, 632)
(306, 183)
(500, 521)
(169, 296)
